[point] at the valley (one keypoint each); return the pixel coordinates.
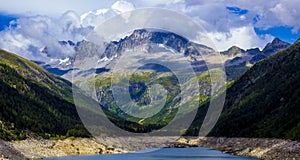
(36, 103)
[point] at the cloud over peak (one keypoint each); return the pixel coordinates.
(227, 23)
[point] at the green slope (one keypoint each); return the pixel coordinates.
(139, 86)
(34, 100)
(264, 102)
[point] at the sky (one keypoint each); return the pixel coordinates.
(32, 24)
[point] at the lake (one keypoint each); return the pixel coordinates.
(162, 154)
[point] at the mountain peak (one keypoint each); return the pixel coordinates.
(275, 46)
(253, 51)
(236, 48)
(233, 51)
(277, 40)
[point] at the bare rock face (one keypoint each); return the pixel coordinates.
(147, 38)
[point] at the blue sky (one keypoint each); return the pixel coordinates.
(283, 32)
(5, 19)
(243, 23)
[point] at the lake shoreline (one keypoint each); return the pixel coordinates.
(265, 149)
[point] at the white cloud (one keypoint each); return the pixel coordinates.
(287, 13)
(122, 6)
(51, 8)
(151, 3)
(27, 36)
(243, 37)
(243, 17)
(94, 18)
(272, 13)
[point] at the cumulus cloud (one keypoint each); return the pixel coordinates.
(122, 6)
(53, 8)
(272, 13)
(243, 37)
(225, 18)
(226, 22)
(288, 13)
(96, 17)
(28, 36)
(152, 3)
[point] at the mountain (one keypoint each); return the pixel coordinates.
(233, 52)
(263, 102)
(155, 44)
(239, 60)
(271, 48)
(149, 41)
(275, 46)
(146, 40)
(33, 100)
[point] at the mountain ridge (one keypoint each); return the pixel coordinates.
(240, 60)
(263, 102)
(237, 60)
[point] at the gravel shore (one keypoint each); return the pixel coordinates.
(9, 152)
(41, 148)
(265, 149)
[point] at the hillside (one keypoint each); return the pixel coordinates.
(33, 100)
(263, 102)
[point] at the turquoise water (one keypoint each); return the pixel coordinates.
(196, 153)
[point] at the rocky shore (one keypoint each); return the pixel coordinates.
(265, 149)
(41, 148)
(8, 152)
